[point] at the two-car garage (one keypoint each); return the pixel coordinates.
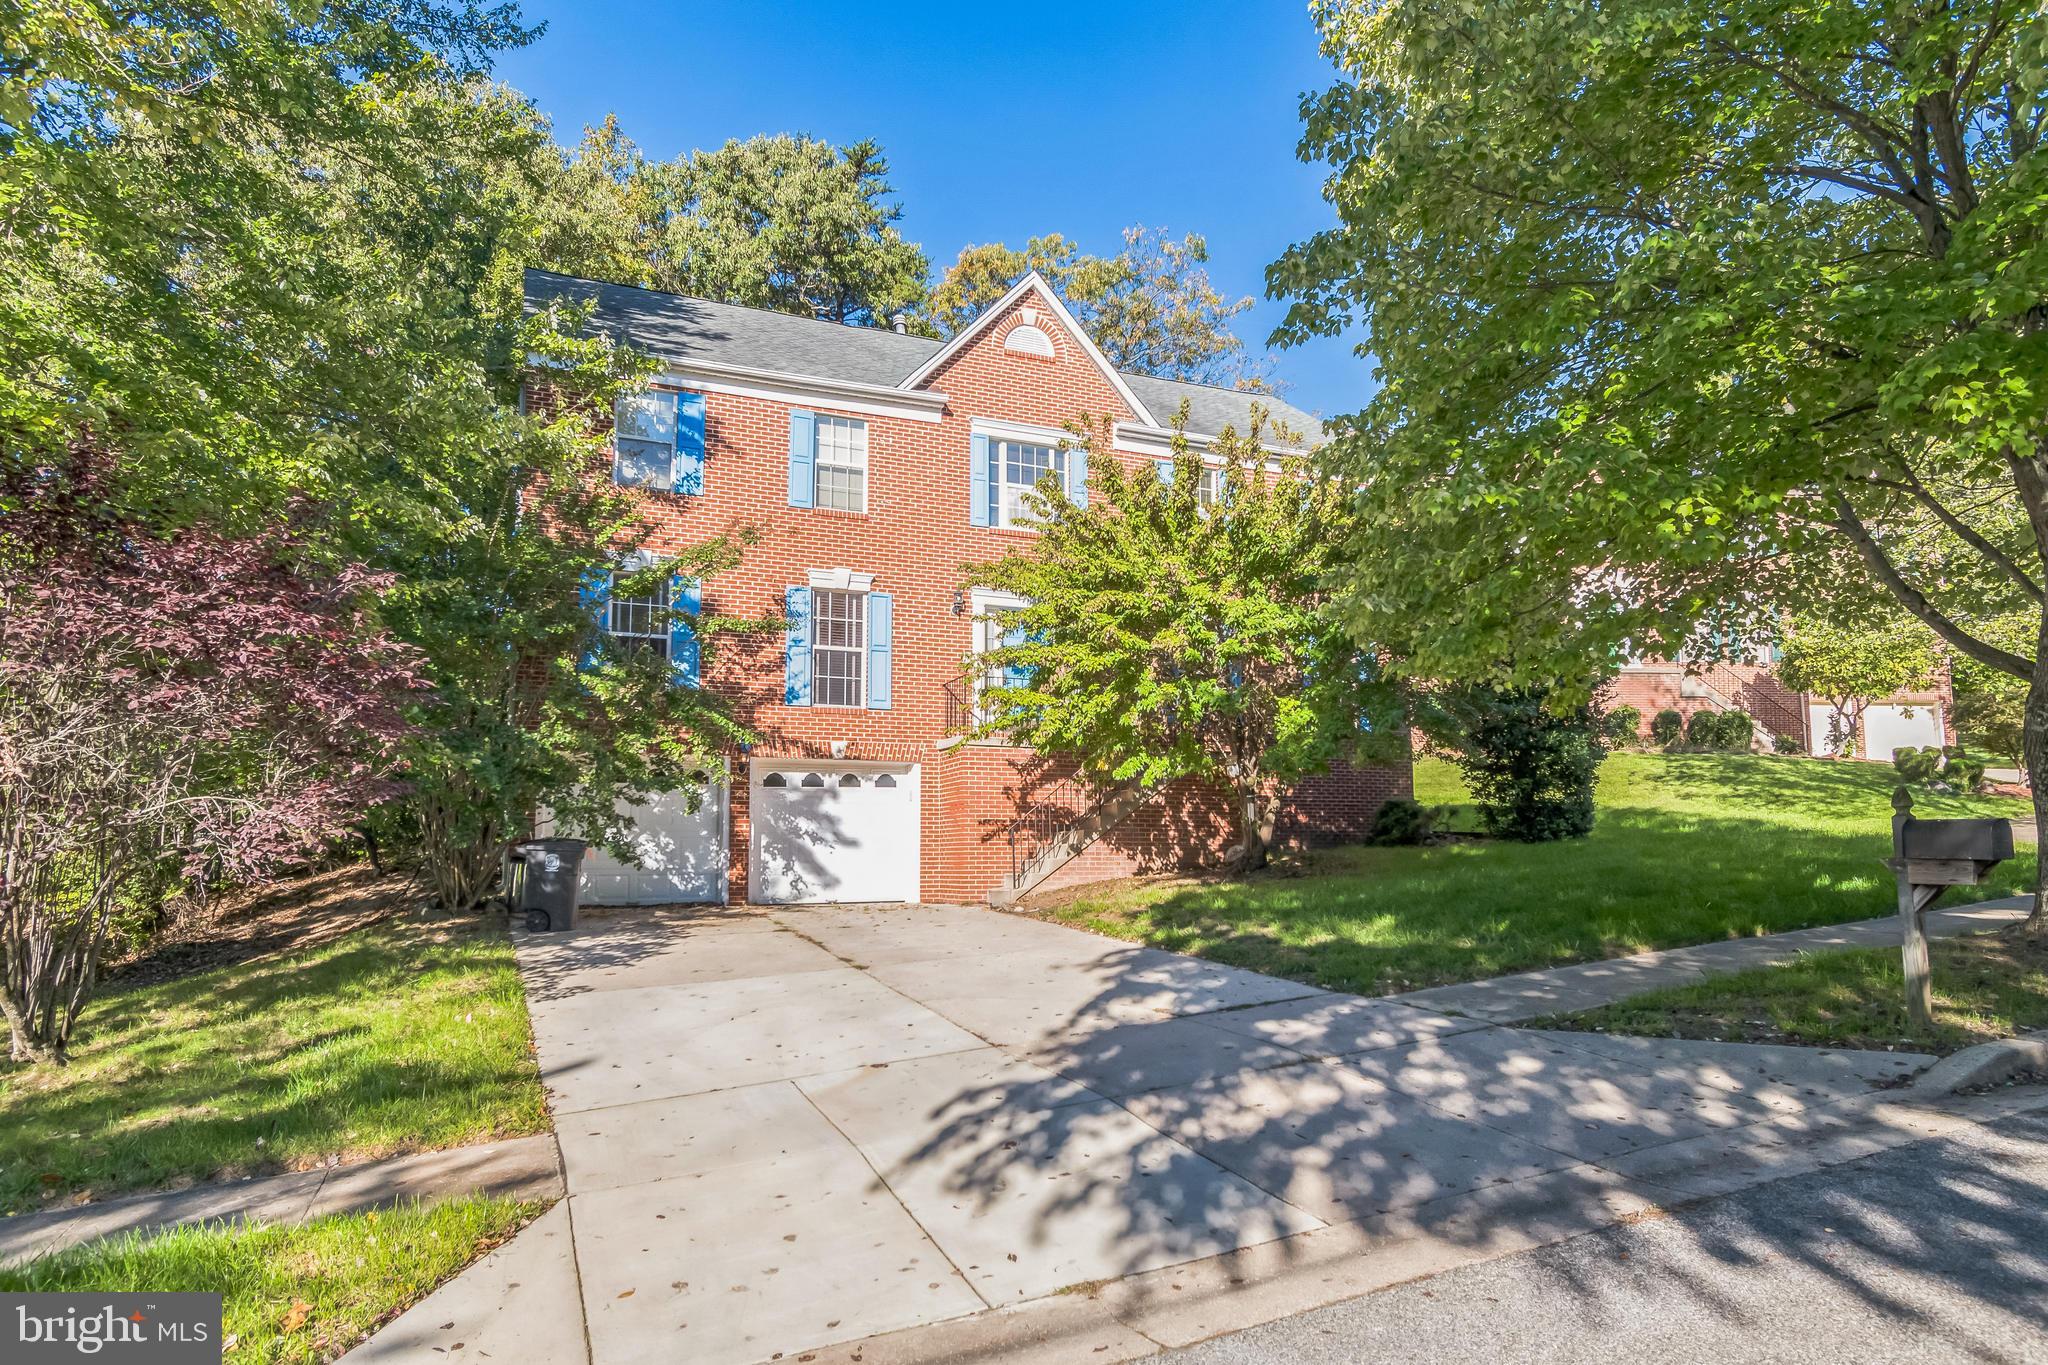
(819, 832)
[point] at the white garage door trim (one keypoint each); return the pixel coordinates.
(683, 854)
(834, 842)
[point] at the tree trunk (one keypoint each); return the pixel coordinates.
(1258, 816)
(2034, 748)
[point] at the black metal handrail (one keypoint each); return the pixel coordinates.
(1044, 820)
(961, 715)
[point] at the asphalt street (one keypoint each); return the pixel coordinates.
(1936, 1251)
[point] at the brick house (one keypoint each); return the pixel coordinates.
(874, 465)
(1750, 683)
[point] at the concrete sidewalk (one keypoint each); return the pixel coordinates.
(1588, 985)
(525, 1168)
(922, 1129)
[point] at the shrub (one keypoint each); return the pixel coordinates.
(1736, 731)
(1402, 821)
(1916, 766)
(1964, 772)
(1703, 730)
(1786, 744)
(1531, 768)
(1666, 726)
(1622, 725)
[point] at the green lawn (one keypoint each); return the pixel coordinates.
(400, 1037)
(291, 1294)
(1689, 848)
(1986, 987)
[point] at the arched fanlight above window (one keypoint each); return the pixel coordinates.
(812, 780)
(885, 781)
(849, 779)
(775, 780)
(1029, 340)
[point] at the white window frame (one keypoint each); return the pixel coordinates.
(1008, 492)
(654, 399)
(1209, 486)
(655, 608)
(849, 444)
(853, 624)
(988, 635)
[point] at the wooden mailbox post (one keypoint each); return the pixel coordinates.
(1929, 857)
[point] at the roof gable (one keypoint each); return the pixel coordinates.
(1032, 282)
(690, 332)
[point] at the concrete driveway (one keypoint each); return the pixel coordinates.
(792, 1128)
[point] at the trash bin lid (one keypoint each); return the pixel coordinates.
(553, 845)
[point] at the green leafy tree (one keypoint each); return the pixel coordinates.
(784, 222)
(1851, 665)
(1168, 638)
(1686, 309)
(274, 277)
(1150, 308)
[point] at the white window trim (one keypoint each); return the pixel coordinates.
(859, 653)
(997, 429)
(819, 465)
(667, 484)
(984, 603)
(611, 605)
(841, 580)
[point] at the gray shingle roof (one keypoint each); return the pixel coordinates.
(1211, 409)
(676, 327)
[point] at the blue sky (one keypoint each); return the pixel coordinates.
(1000, 121)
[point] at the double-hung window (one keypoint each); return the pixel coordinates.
(638, 623)
(1019, 465)
(842, 464)
(644, 441)
(1209, 487)
(840, 647)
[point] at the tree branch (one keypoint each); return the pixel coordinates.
(1849, 524)
(1968, 534)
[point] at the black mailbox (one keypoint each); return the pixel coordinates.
(1975, 841)
(1931, 856)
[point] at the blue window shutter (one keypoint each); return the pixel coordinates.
(686, 595)
(595, 595)
(881, 624)
(796, 673)
(1077, 476)
(803, 461)
(1166, 472)
(978, 484)
(687, 474)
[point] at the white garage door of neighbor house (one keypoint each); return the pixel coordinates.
(844, 832)
(1886, 728)
(681, 854)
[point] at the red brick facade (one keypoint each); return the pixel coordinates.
(914, 538)
(1662, 685)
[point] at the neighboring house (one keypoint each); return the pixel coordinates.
(1748, 682)
(875, 465)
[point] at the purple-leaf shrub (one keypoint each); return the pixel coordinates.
(184, 694)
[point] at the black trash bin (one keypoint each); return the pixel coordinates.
(544, 882)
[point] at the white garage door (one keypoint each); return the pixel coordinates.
(1887, 727)
(845, 832)
(681, 854)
